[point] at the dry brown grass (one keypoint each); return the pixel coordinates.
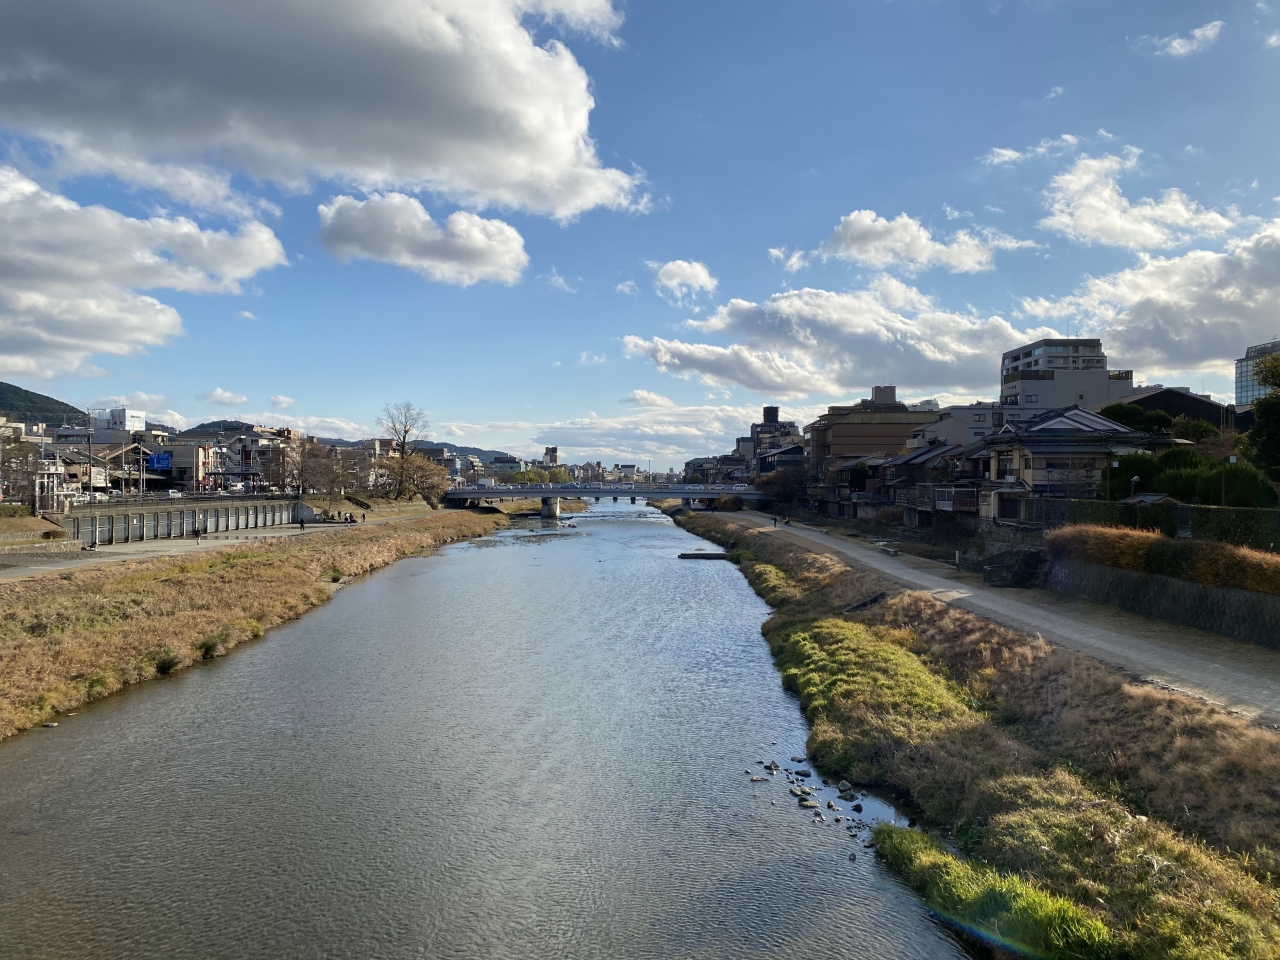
(73, 637)
(1207, 562)
(1209, 773)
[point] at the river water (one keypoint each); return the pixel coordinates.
(531, 746)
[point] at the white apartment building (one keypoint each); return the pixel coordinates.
(119, 418)
(1051, 374)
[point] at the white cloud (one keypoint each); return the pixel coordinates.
(138, 400)
(1054, 93)
(1195, 311)
(395, 228)
(812, 341)
(646, 398)
(556, 282)
(245, 315)
(954, 214)
(281, 402)
(451, 96)
(1176, 45)
(1048, 147)
(865, 238)
(455, 431)
(1086, 204)
(1272, 41)
(791, 261)
(70, 276)
(678, 280)
(628, 287)
(589, 359)
(224, 398)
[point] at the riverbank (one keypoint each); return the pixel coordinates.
(74, 636)
(1053, 783)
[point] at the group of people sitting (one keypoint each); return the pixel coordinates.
(345, 518)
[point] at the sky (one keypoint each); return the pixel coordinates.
(620, 227)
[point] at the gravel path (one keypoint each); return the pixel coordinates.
(1236, 675)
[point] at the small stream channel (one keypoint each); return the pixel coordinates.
(532, 746)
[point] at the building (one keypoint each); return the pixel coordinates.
(504, 465)
(551, 457)
(1055, 374)
(959, 424)
(118, 418)
(766, 435)
(880, 426)
(1178, 402)
(1247, 388)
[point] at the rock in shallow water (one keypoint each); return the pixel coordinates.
(844, 786)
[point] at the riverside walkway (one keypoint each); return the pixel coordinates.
(1239, 676)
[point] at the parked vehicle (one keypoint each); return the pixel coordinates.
(174, 493)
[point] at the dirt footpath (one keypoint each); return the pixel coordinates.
(1236, 675)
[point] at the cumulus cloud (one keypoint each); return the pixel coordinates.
(557, 282)
(628, 287)
(223, 398)
(395, 228)
(245, 315)
(1272, 41)
(1191, 312)
(71, 276)
(681, 280)
(1086, 204)
(646, 398)
(814, 341)
(589, 359)
(281, 402)
(1177, 45)
(868, 239)
(451, 96)
(138, 400)
(1048, 147)
(791, 260)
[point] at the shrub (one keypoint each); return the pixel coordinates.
(1206, 562)
(1181, 483)
(729, 503)
(166, 660)
(1181, 458)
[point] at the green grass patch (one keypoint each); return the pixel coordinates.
(1001, 909)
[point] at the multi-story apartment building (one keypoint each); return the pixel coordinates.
(878, 426)
(1247, 388)
(1054, 374)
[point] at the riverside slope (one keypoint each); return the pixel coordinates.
(70, 637)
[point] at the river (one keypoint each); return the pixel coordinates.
(529, 746)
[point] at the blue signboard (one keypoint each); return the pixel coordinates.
(159, 461)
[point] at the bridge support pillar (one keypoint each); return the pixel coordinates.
(550, 508)
(687, 503)
(633, 499)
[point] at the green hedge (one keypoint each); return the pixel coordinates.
(1243, 526)
(14, 510)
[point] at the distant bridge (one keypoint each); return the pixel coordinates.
(552, 493)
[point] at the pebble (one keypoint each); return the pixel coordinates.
(844, 786)
(797, 759)
(804, 773)
(831, 806)
(757, 779)
(853, 856)
(50, 724)
(809, 804)
(856, 808)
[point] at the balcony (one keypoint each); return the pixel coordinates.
(1027, 375)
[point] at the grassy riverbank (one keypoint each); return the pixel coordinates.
(72, 637)
(1053, 782)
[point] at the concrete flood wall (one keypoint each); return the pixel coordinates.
(103, 525)
(1238, 614)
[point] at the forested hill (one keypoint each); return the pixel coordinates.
(31, 407)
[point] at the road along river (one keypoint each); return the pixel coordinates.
(531, 746)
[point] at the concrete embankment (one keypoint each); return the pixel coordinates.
(73, 636)
(1071, 803)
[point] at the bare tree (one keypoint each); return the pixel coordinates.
(404, 424)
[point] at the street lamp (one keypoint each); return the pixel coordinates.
(1133, 485)
(1225, 461)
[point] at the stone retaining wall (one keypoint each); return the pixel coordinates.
(1239, 614)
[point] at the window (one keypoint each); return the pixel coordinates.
(1026, 463)
(979, 418)
(1081, 396)
(979, 433)
(1033, 398)
(1038, 351)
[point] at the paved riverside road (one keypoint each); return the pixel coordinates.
(1239, 676)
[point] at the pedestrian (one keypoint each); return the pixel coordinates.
(302, 525)
(362, 518)
(197, 534)
(775, 521)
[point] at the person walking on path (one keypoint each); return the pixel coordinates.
(362, 518)
(775, 521)
(302, 525)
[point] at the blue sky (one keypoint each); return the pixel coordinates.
(621, 228)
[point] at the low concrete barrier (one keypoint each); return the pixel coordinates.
(99, 525)
(1238, 614)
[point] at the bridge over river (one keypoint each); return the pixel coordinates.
(552, 493)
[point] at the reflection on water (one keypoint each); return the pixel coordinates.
(537, 747)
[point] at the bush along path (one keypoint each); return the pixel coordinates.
(1034, 853)
(69, 638)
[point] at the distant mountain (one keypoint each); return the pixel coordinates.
(218, 426)
(164, 427)
(486, 455)
(30, 407)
